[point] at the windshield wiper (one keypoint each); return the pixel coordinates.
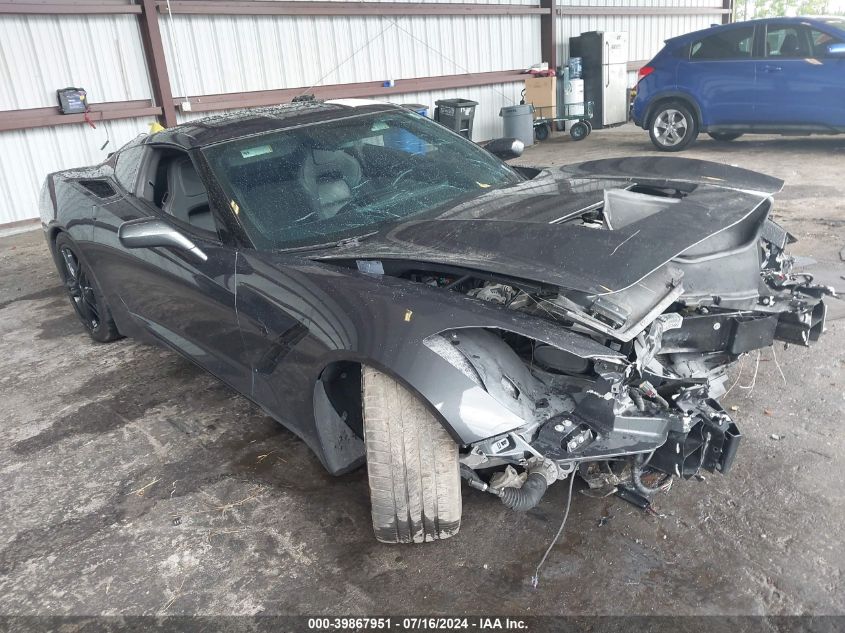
(353, 241)
(346, 241)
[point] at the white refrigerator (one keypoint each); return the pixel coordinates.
(604, 60)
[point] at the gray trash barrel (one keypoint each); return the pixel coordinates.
(456, 114)
(518, 122)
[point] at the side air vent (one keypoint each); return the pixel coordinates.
(99, 188)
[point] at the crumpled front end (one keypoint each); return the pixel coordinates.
(643, 279)
(649, 410)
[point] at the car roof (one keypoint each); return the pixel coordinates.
(232, 125)
(823, 21)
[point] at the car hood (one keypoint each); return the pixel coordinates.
(533, 230)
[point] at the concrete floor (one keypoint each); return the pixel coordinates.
(133, 483)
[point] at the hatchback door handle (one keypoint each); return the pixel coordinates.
(772, 69)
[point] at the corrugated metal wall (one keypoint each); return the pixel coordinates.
(219, 54)
(646, 33)
(27, 156)
(39, 54)
(103, 54)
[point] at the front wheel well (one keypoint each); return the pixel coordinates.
(53, 235)
(341, 382)
(687, 101)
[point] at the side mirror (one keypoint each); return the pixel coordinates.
(836, 50)
(150, 232)
(505, 148)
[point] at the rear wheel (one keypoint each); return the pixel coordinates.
(673, 126)
(412, 465)
(724, 136)
(85, 296)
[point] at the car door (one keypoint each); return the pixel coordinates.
(798, 84)
(720, 75)
(177, 297)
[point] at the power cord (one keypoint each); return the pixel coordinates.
(535, 579)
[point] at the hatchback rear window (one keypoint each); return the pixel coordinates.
(728, 44)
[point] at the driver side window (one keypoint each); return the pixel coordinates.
(174, 186)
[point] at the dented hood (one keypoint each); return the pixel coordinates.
(523, 231)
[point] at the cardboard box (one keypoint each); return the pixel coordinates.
(542, 93)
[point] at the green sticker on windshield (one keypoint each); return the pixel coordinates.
(256, 151)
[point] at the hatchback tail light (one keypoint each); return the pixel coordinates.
(644, 72)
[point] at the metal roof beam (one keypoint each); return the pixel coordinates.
(661, 11)
(311, 7)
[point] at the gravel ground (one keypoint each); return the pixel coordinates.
(133, 483)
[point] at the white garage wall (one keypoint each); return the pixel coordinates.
(101, 53)
(41, 53)
(27, 156)
(221, 54)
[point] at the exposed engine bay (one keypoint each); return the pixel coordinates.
(647, 410)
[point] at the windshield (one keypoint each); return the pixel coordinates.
(322, 183)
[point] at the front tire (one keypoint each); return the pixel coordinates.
(85, 296)
(672, 127)
(412, 465)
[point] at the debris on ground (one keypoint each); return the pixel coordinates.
(775, 436)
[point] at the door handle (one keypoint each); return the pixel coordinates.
(768, 68)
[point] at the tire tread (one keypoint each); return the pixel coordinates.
(412, 465)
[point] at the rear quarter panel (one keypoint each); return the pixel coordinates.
(661, 82)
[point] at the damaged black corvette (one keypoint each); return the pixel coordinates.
(398, 296)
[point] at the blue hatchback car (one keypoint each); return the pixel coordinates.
(775, 76)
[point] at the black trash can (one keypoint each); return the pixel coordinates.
(456, 114)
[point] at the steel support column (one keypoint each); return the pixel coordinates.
(548, 33)
(156, 63)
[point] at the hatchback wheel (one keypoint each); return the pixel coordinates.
(85, 296)
(673, 127)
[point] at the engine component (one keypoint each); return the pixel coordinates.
(560, 360)
(528, 496)
(542, 473)
(638, 465)
(494, 293)
(508, 478)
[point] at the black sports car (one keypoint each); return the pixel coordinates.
(397, 295)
